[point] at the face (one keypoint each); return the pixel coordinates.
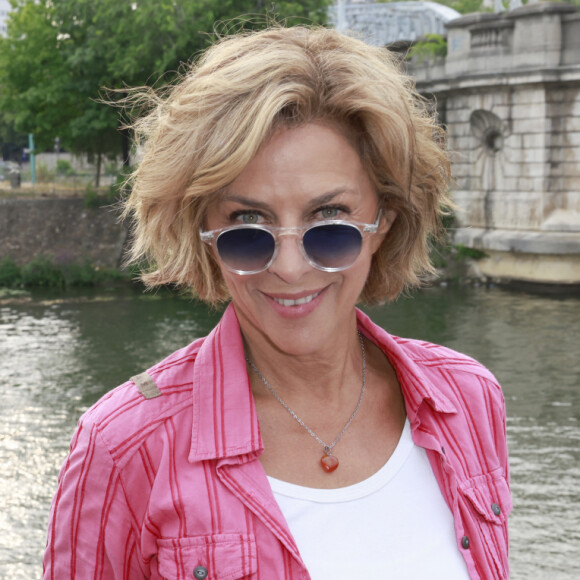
(301, 176)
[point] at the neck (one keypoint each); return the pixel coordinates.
(326, 375)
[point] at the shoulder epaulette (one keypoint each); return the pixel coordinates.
(146, 385)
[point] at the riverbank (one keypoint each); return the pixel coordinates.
(63, 230)
(43, 272)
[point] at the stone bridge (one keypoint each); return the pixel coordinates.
(509, 94)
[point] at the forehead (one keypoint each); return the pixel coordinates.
(301, 163)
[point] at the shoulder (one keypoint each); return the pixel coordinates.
(459, 377)
(441, 358)
(428, 368)
(130, 413)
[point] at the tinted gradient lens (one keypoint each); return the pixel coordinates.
(333, 245)
(246, 249)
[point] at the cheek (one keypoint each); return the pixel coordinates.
(230, 280)
(238, 286)
(359, 273)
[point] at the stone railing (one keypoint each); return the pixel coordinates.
(537, 36)
(499, 34)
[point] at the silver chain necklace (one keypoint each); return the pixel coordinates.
(328, 461)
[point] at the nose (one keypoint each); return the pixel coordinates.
(290, 265)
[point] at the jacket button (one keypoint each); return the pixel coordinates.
(495, 509)
(465, 542)
(200, 572)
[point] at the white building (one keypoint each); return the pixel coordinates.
(381, 23)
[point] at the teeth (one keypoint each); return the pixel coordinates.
(304, 300)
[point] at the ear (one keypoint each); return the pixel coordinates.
(388, 217)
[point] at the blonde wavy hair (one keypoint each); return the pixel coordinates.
(200, 135)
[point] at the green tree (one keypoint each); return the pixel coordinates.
(12, 141)
(59, 55)
(32, 74)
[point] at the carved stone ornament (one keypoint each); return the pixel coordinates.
(487, 127)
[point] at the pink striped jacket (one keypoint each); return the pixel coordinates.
(163, 478)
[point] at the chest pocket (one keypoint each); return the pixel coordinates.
(488, 502)
(215, 557)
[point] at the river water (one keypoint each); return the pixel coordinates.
(60, 354)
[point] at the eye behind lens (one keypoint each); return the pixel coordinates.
(246, 249)
(333, 245)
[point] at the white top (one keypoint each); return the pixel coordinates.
(394, 525)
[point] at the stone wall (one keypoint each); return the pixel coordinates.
(509, 93)
(62, 228)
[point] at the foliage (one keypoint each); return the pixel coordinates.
(452, 260)
(121, 187)
(429, 47)
(13, 142)
(86, 274)
(43, 173)
(82, 274)
(96, 198)
(463, 252)
(9, 273)
(63, 167)
(111, 168)
(42, 271)
(58, 57)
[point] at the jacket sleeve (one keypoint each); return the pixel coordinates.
(92, 533)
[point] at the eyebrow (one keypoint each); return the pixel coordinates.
(244, 200)
(320, 200)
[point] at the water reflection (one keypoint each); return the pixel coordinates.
(531, 343)
(58, 356)
(37, 347)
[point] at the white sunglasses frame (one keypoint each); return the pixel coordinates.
(211, 236)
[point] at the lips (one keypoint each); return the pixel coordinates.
(297, 301)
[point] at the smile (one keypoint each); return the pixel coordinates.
(298, 302)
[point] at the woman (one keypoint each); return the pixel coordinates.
(295, 172)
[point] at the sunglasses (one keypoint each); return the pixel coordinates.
(330, 245)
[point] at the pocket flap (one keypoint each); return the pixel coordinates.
(224, 556)
(490, 496)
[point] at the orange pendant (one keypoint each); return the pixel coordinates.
(329, 463)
